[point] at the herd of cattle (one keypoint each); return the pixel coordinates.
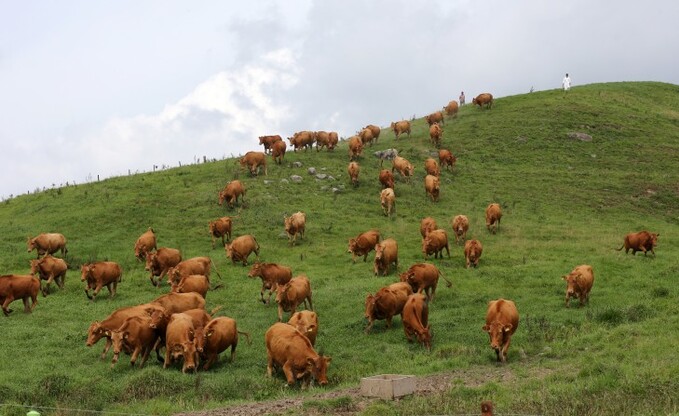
(179, 322)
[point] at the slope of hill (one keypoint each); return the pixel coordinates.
(566, 202)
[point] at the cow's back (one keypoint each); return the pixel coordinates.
(503, 311)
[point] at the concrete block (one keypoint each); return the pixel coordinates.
(388, 386)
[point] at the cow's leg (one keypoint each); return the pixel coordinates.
(34, 301)
(269, 364)
(115, 288)
(61, 280)
(388, 321)
(145, 355)
(168, 357)
(369, 327)
(311, 306)
(107, 347)
(432, 292)
(9, 299)
(280, 313)
(27, 308)
(135, 354)
(233, 350)
(261, 295)
(447, 251)
(289, 373)
(505, 349)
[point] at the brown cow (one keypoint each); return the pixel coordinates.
(100, 274)
(253, 161)
(435, 134)
(400, 127)
(179, 342)
(386, 303)
(333, 139)
(427, 225)
(219, 228)
(404, 168)
(293, 293)
(415, 318)
(291, 351)
(51, 269)
(388, 201)
(485, 99)
(432, 167)
(493, 217)
(375, 130)
(434, 243)
(386, 179)
(432, 187)
(13, 287)
(436, 117)
(424, 278)
(363, 244)
(366, 136)
(158, 263)
(294, 225)
(642, 241)
(134, 335)
(47, 243)
(502, 319)
(446, 159)
(322, 139)
(241, 247)
(194, 265)
(192, 283)
(177, 302)
(231, 192)
(160, 317)
(386, 253)
(218, 335)
(579, 283)
(353, 170)
(306, 323)
(145, 244)
(460, 226)
(272, 275)
(302, 139)
(472, 252)
(268, 141)
(355, 147)
(278, 151)
(451, 109)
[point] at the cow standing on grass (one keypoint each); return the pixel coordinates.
(579, 283)
(158, 263)
(47, 243)
(643, 241)
(146, 243)
(13, 287)
(272, 276)
(100, 274)
(51, 269)
(502, 319)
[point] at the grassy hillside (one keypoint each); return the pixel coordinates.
(566, 202)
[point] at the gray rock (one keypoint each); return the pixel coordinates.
(296, 178)
(331, 178)
(388, 154)
(267, 182)
(336, 190)
(321, 176)
(285, 180)
(297, 164)
(580, 136)
(312, 171)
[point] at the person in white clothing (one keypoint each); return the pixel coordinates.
(566, 83)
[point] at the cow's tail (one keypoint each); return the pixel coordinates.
(247, 336)
(216, 271)
(448, 282)
(215, 310)
(621, 247)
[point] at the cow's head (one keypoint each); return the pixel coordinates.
(190, 356)
(85, 271)
(379, 252)
(654, 239)
(352, 245)
(318, 368)
(31, 244)
(255, 270)
(426, 243)
(118, 339)
(35, 266)
(158, 317)
(200, 337)
(94, 333)
(151, 261)
(222, 196)
(229, 251)
(173, 275)
(497, 332)
(424, 337)
(410, 170)
(571, 282)
(370, 305)
(282, 291)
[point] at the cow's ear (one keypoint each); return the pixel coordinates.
(311, 328)
(209, 333)
(107, 333)
(507, 328)
(486, 328)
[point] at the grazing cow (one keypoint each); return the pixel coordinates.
(424, 278)
(145, 244)
(400, 127)
(333, 139)
(268, 141)
(278, 151)
(134, 335)
(51, 269)
(386, 253)
(386, 179)
(434, 243)
(47, 243)
(451, 109)
(436, 117)
(432, 187)
(306, 323)
(386, 303)
(293, 293)
(192, 283)
(579, 284)
(404, 168)
(253, 161)
(388, 201)
(366, 136)
(158, 263)
(231, 192)
(502, 319)
(446, 159)
(322, 140)
(435, 134)
(13, 287)
(218, 335)
(375, 130)
(493, 217)
(353, 170)
(179, 342)
(355, 147)
(460, 226)
(272, 276)
(194, 265)
(432, 167)
(427, 225)
(415, 318)
(472, 252)
(363, 244)
(220, 228)
(290, 350)
(241, 247)
(295, 224)
(642, 241)
(100, 274)
(485, 99)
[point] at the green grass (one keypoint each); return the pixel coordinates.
(565, 203)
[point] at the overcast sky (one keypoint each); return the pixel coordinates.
(93, 88)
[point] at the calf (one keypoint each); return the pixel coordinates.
(179, 342)
(502, 319)
(493, 217)
(288, 349)
(432, 167)
(432, 187)
(643, 241)
(400, 127)
(579, 283)
(363, 244)
(353, 170)
(424, 278)
(47, 243)
(218, 335)
(386, 179)
(434, 243)
(134, 335)
(278, 151)
(293, 293)
(427, 225)
(355, 147)
(100, 274)
(231, 192)
(416, 320)
(386, 253)
(241, 248)
(13, 287)
(158, 263)
(294, 225)
(435, 134)
(220, 228)
(404, 168)
(272, 275)
(388, 201)
(460, 226)
(386, 303)
(472, 252)
(446, 159)
(306, 323)
(52, 269)
(145, 244)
